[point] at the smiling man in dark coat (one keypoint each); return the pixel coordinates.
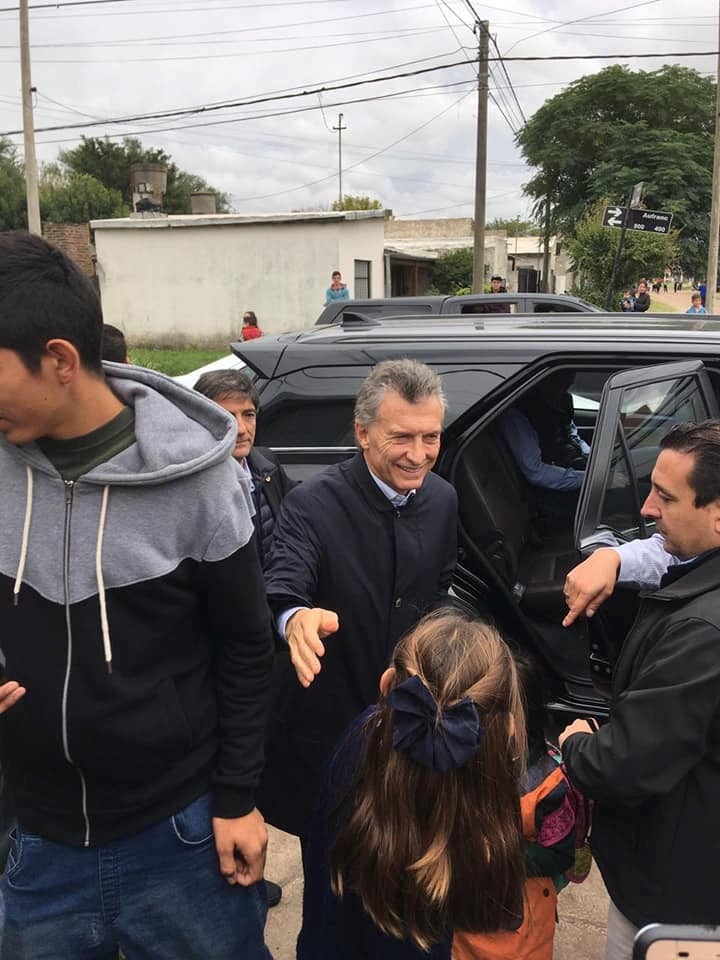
(360, 553)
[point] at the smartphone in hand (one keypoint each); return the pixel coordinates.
(663, 941)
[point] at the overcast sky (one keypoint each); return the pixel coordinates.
(413, 149)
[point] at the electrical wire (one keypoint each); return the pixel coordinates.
(91, 3)
(634, 6)
(193, 39)
(352, 166)
(144, 131)
(189, 111)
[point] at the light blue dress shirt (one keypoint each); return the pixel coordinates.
(522, 438)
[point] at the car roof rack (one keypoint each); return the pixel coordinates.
(352, 319)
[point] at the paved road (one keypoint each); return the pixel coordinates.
(582, 908)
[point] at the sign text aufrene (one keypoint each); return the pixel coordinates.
(648, 221)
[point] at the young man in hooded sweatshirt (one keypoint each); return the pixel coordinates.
(137, 645)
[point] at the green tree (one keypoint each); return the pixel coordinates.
(612, 129)
(76, 197)
(515, 227)
(13, 204)
(358, 202)
(452, 272)
(592, 250)
(110, 163)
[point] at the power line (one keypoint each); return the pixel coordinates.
(299, 23)
(222, 56)
(507, 77)
(91, 3)
(365, 159)
(192, 39)
(237, 119)
(641, 3)
(168, 114)
(465, 203)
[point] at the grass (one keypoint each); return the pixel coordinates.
(173, 362)
(658, 306)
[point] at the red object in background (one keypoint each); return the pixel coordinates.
(251, 333)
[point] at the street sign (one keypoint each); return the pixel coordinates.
(613, 216)
(651, 221)
(647, 221)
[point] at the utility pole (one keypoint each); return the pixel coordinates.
(546, 237)
(31, 175)
(340, 129)
(712, 262)
(482, 28)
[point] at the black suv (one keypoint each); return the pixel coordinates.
(467, 303)
(634, 378)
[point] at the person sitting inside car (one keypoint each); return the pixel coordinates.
(542, 436)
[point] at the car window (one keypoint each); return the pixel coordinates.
(622, 462)
(315, 407)
(556, 308)
(487, 306)
(309, 423)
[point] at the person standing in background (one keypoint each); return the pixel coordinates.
(642, 298)
(250, 328)
(114, 344)
(337, 289)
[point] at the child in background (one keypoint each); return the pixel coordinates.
(337, 289)
(548, 813)
(419, 830)
(250, 328)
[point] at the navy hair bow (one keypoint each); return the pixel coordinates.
(442, 742)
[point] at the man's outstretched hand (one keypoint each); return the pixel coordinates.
(588, 585)
(305, 632)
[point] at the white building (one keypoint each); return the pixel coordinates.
(188, 279)
(411, 247)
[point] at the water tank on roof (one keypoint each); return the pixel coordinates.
(149, 183)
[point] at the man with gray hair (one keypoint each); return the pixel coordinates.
(360, 553)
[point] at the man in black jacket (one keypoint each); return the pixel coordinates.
(361, 552)
(654, 769)
(235, 392)
(132, 738)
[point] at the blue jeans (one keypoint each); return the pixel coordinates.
(156, 895)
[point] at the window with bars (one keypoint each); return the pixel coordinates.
(361, 289)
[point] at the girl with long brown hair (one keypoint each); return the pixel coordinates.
(419, 833)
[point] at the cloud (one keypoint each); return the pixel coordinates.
(101, 60)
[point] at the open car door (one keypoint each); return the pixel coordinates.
(638, 407)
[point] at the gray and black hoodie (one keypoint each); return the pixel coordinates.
(132, 608)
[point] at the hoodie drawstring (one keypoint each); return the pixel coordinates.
(101, 581)
(105, 627)
(25, 535)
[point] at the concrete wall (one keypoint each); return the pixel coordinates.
(445, 227)
(188, 280)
